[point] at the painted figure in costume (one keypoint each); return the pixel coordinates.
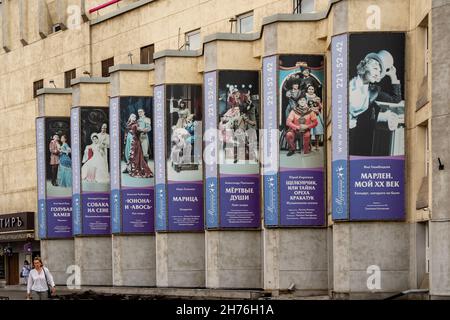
(65, 164)
(144, 127)
(103, 139)
(246, 135)
(94, 169)
(308, 80)
(230, 118)
(181, 148)
(293, 95)
(300, 122)
(54, 148)
(364, 91)
(183, 112)
(194, 128)
(137, 166)
(315, 104)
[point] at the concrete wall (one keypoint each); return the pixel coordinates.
(440, 225)
(94, 256)
(58, 255)
(296, 257)
(233, 259)
(134, 262)
(180, 260)
(357, 246)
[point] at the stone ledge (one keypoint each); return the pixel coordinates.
(54, 91)
(132, 67)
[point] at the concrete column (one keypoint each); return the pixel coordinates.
(83, 10)
(61, 10)
(134, 255)
(4, 12)
(234, 258)
(57, 255)
(93, 254)
(23, 22)
(43, 19)
(54, 102)
(295, 258)
(180, 256)
(362, 246)
(440, 223)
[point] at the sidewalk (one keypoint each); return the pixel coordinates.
(126, 293)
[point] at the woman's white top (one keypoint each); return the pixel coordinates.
(37, 281)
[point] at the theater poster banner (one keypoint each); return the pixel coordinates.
(376, 126)
(132, 165)
(54, 163)
(90, 126)
(238, 111)
(180, 137)
(299, 119)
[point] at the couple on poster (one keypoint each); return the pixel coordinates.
(95, 158)
(60, 161)
(136, 152)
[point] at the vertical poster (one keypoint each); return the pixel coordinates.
(184, 148)
(132, 165)
(210, 154)
(271, 145)
(95, 173)
(54, 177)
(160, 160)
(376, 122)
(76, 171)
(238, 149)
(301, 141)
(41, 177)
(339, 94)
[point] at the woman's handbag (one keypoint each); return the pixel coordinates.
(49, 290)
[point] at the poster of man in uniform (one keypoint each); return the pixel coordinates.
(184, 128)
(302, 128)
(376, 123)
(238, 151)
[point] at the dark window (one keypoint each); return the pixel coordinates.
(147, 54)
(36, 86)
(106, 64)
(56, 27)
(68, 76)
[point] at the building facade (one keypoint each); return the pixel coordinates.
(61, 59)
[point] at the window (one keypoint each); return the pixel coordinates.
(245, 23)
(147, 54)
(106, 64)
(193, 40)
(423, 144)
(36, 86)
(56, 27)
(308, 6)
(68, 76)
(427, 51)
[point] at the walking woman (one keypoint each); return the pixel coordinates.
(40, 281)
